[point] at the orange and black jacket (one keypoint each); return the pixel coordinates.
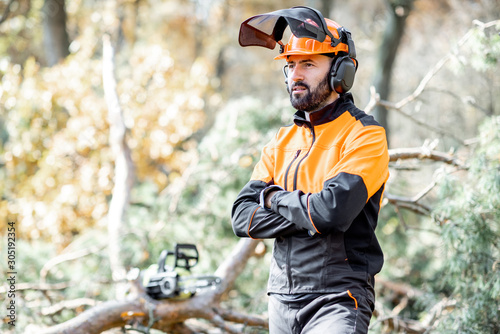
(332, 169)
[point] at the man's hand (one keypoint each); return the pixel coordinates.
(269, 195)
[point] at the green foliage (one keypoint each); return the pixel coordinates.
(484, 49)
(455, 256)
(471, 238)
(87, 277)
(480, 50)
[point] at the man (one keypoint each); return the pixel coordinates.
(317, 188)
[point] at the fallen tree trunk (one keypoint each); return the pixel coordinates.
(141, 311)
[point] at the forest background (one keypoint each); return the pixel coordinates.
(127, 126)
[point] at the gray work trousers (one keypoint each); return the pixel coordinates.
(327, 314)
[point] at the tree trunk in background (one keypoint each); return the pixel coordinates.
(55, 36)
(124, 169)
(398, 11)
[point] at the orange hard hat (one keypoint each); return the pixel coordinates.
(309, 46)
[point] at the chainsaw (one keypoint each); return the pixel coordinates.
(170, 281)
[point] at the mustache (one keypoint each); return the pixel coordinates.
(289, 88)
(299, 83)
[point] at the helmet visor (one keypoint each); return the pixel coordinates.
(267, 29)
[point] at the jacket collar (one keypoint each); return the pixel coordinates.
(324, 115)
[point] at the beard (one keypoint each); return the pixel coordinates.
(313, 99)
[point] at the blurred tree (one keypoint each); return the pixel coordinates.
(124, 167)
(324, 6)
(397, 13)
(55, 36)
(5, 10)
(56, 155)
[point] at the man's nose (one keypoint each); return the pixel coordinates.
(296, 75)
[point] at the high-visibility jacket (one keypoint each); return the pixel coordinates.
(333, 169)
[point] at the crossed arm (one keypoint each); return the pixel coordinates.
(285, 213)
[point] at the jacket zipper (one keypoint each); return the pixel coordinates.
(290, 166)
(288, 269)
(289, 250)
(289, 240)
(305, 156)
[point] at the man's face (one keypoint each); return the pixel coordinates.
(307, 82)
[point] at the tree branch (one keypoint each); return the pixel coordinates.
(422, 153)
(437, 310)
(66, 257)
(124, 167)
(68, 304)
(394, 323)
(249, 320)
(423, 124)
(437, 67)
(234, 264)
(98, 319)
(38, 286)
(375, 99)
(412, 203)
(402, 289)
(408, 203)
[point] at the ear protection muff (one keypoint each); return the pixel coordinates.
(344, 66)
(342, 74)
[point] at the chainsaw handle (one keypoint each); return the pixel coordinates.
(185, 256)
(185, 259)
(163, 258)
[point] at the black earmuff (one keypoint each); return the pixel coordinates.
(344, 66)
(342, 74)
